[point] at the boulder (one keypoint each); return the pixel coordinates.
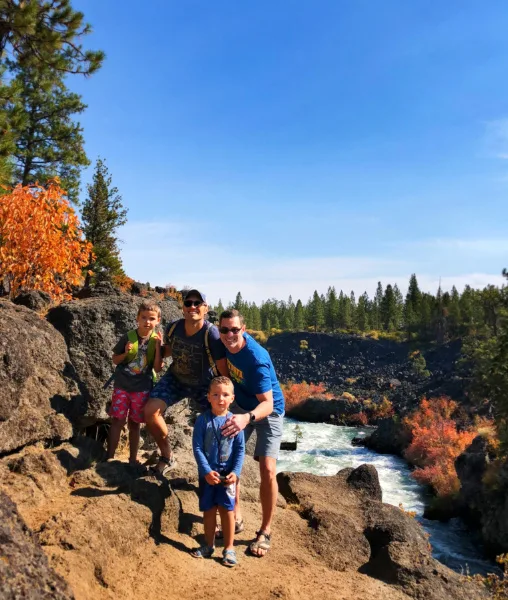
(24, 569)
(352, 530)
(38, 399)
(91, 328)
(33, 300)
(387, 438)
(322, 410)
(483, 495)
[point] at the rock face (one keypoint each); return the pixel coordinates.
(38, 398)
(319, 410)
(33, 299)
(484, 495)
(354, 530)
(24, 569)
(91, 328)
(387, 438)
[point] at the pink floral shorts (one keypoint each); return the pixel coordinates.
(131, 403)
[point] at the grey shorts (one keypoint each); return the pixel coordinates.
(268, 432)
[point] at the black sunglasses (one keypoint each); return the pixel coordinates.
(226, 330)
(189, 303)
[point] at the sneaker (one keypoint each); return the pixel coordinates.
(203, 552)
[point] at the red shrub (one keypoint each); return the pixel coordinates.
(359, 418)
(436, 444)
(296, 393)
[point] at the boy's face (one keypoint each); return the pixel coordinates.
(220, 397)
(147, 321)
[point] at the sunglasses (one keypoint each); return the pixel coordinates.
(226, 330)
(189, 303)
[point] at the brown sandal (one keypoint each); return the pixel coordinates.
(260, 544)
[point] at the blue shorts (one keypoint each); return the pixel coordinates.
(170, 390)
(216, 495)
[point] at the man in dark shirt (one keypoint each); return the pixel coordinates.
(195, 347)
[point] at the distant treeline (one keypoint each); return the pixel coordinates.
(427, 316)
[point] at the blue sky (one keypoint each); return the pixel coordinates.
(281, 147)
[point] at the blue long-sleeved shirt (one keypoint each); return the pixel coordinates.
(212, 450)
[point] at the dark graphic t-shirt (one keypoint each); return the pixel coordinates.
(135, 376)
(190, 364)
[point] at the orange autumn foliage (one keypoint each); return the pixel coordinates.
(41, 243)
(296, 393)
(435, 445)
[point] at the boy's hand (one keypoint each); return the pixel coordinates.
(231, 478)
(128, 347)
(213, 478)
(158, 338)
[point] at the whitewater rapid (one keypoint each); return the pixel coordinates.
(326, 449)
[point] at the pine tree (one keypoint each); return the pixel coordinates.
(316, 316)
(220, 308)
(388, 309)
(331, 309)
(412, 308)
(47, 32)
(362, 316)
(239, 304)
(48, 142)
(103, 213)
(376, 306)
(255, 316)
(299, 322)
(352, 303)
(290, 313)
(399, 307)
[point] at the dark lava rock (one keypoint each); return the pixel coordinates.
(91, 328)
(322, 410)
(387, 438)
(24, 569)
(38, 398)
(484, 500)
(366, 480)
(34, 300)
(352, 530)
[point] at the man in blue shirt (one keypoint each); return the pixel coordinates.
(259, 406)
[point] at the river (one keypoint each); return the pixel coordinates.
(325, 449)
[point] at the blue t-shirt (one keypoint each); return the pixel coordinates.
(252, 373)
(212, 450)
(190, 364)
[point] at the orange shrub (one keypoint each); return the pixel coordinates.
(436, 444)
(296, 393)
(123, 282)
(382, 410)
(41, 243)
(359, 418)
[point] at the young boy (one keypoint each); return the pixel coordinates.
(220, 461)
(137, 355)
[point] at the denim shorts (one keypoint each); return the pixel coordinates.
(216, 495)
(170, 390)
(268, 432)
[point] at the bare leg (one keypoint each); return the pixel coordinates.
(209, 520)
(115, 431)
(268, 492)
(227, 519)
(156, 425)
(134, 429)
(238, 510)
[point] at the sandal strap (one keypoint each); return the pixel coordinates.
(166, 461)
(261, 532)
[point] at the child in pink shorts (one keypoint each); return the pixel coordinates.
(137, 355)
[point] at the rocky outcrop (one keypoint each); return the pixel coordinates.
(387, 438)
(34, 300)
(322, 410)
(367, 368)
(24, 569)
(484, 493)
(38, 397)
(354, 530)
(91, 327)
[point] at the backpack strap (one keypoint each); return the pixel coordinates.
(213, 366)
(172, 330)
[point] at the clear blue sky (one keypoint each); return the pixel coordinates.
(281, 147)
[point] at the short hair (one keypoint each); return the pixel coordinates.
(231, 313)
(149, 305)
(220, 380)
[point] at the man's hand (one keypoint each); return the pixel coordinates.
(235, 424)
(231, 478)
(213, 478)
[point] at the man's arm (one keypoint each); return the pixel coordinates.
(222, 366)
(239, 422)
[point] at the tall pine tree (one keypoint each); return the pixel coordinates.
(103, 213)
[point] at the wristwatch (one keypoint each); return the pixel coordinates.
(252, 417)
